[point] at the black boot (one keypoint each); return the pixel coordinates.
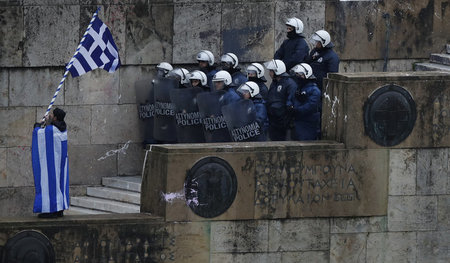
(48, 215)
(60, 213)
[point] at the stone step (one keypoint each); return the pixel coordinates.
(130, 183)
(104, 205)
(76, 210)
(448, 48)
(431, 67)
(115, 194)
(440, 59)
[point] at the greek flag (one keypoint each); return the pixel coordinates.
(97, 50)
(50, 169)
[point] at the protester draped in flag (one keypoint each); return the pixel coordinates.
(50, 166)
(49, 146)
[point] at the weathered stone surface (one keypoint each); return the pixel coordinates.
(130, 161)
(432, 171)
(114, 124)
(49, 2)
(18, 167)
(34, 87)
(149, 32)
(129, 75)
(188, 242)
(14, 130)
(4, 90)
(59, 23)
(16, 201)
(78, 119)
(248, 30)
(402, 172)
(87, 166)
(95, 87)
(239, 236)
(11, 42)
(391, 247)
(396, 65)
(299, 235)
(359, 224)
(246, 257)
(433, 246)
(443, 212)
(412, 213)
(312, 14)
(195, 27)
(348, 248)
(305, 257)
(3, 174)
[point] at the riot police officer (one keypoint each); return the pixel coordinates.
(293, 50)
(162, 69)
(181, 74)
(205, 59)
(307, 104)
(230, 63)
(250, 91)
(199, 79)
(322, 58)
(279, 100)
(222, 81)
(255, 73)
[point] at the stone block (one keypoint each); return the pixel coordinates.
(149, 33)
(245, 257)
(412, 213)
(305, 257)
(432, 171)
(358, 224)
(51, 34)
(87, 166)
(312, 14)
(11, 2)
(433, 246)
(239, 236)
(248, 30)
(3, 174)
(299, 235)
(391, 247)
(129, 75)
(196, 27)
(16, 126)
(402, 172)
(113, 124)
(189, 242)
(18, 168)
(348, 248)
(4, 90)
(16, 201)
(130, 161)
(34, 86)
(78, 119)
(11, 43)
(49, 2)
(95, 87)
(443, 212)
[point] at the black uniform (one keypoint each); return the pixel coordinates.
(293, 51)
(322, 62)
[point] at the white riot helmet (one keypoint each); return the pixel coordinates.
(222, 76)
(295, 23)
(231, 59)
(322, 36)
(276, 65)
(304, 69)
(198, 75)
(250, 87)
(181, 73)
(258, 68)
(206, 55)
(164, 66)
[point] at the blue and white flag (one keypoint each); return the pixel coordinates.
(50, 169)
(97, 50)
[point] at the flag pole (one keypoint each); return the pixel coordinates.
(66, 73)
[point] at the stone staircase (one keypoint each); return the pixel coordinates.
(120, 194)
(438, 62)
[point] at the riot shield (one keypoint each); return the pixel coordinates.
(187, 116)
(146, 108)
(210, 107)
(164, 126)
(241, 121)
